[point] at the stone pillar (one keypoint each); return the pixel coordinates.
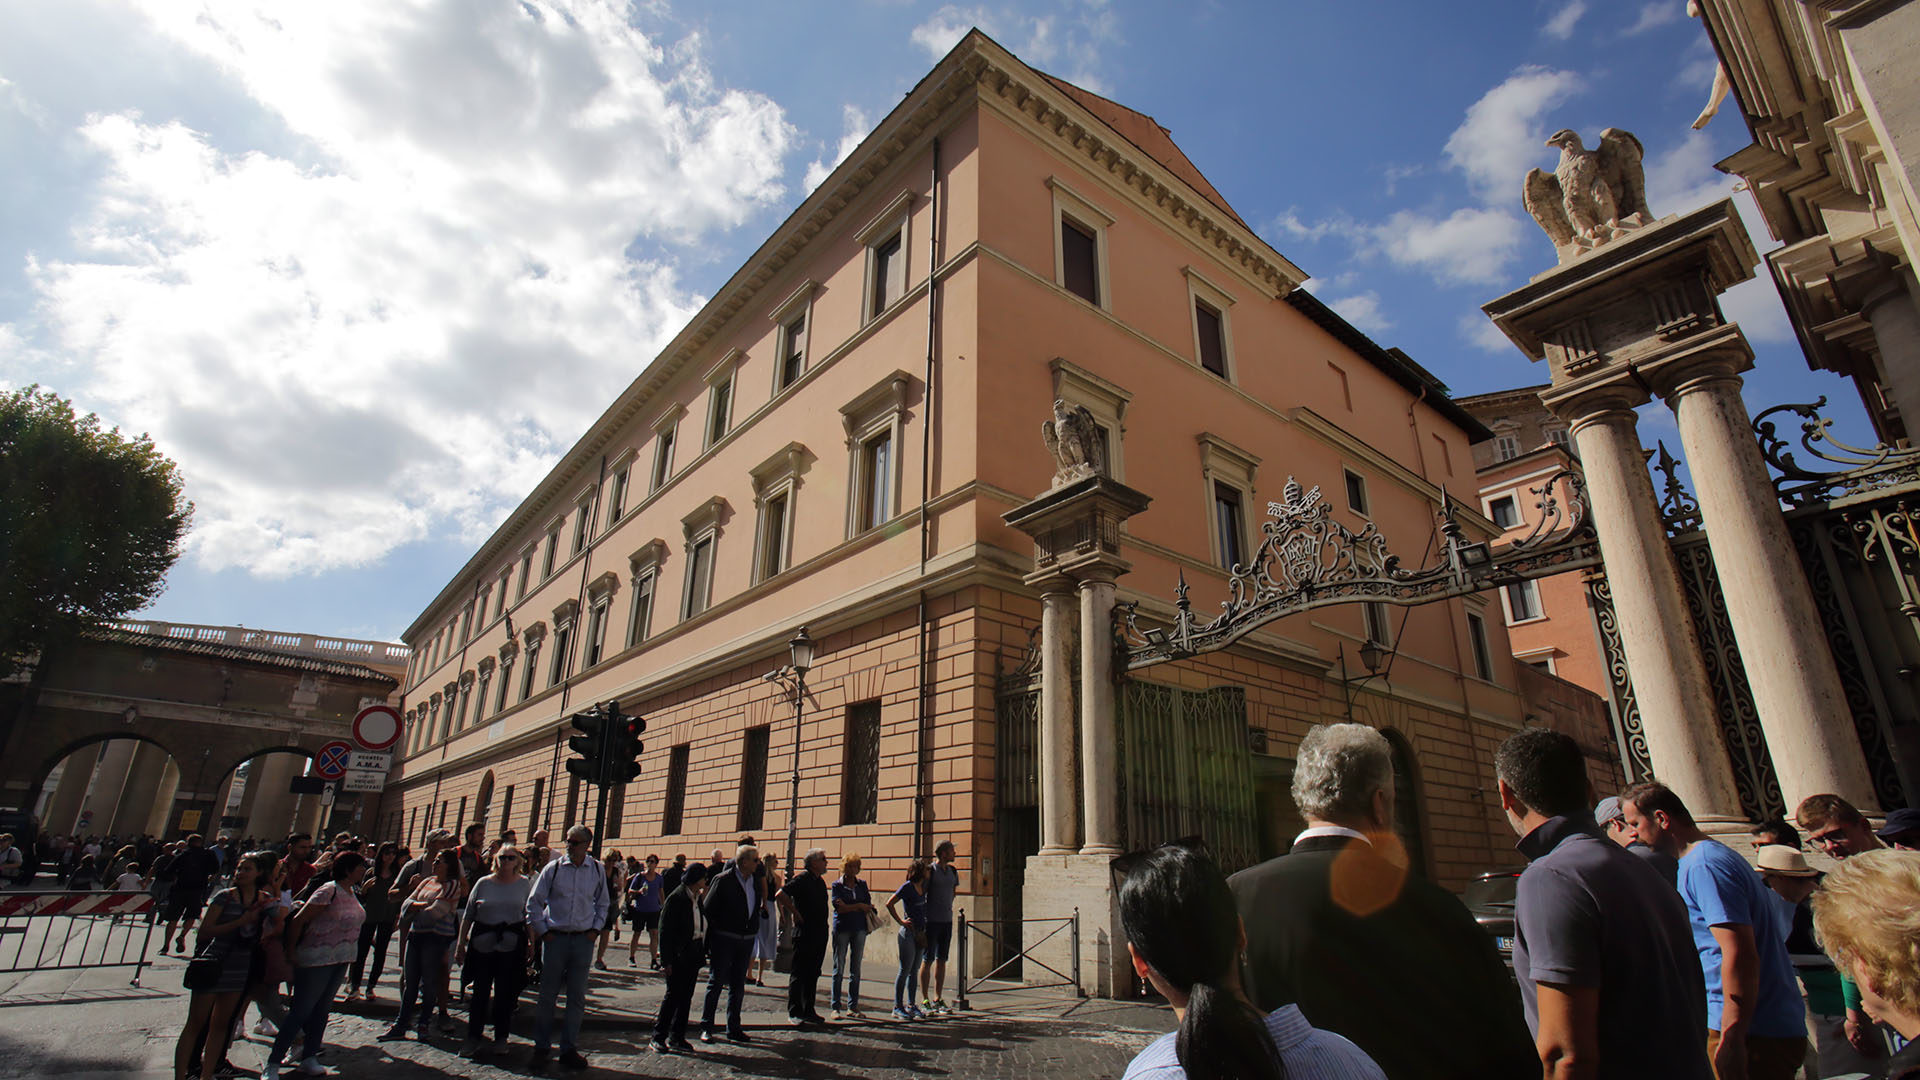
(160, 814)
(1059, 817)
(1796, 689)
(1656, 632)
(109, 779)
(271, 815)
(1099, 749)
(144, 773)
(1890, 311)
(75, 778)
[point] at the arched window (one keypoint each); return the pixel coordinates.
(1407, 822)
(484, 800)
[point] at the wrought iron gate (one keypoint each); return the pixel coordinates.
(1016, 811)
(1186, 770)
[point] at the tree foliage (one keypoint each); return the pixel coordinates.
(90, 522)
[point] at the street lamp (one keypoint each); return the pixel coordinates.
(799, 659)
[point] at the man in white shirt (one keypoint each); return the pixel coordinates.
(565, 913)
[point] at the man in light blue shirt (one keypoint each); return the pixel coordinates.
(565, 913)
(1756, 1019)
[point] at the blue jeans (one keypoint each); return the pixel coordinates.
(909, 966)
(313, 990)
(426, 958)
(564, 958)
(849, 942)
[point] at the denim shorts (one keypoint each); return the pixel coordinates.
(939, 941)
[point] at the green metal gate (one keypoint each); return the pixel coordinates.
(1186, 770)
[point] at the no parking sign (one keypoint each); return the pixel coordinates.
(331, 762)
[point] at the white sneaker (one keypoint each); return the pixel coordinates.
(312, 1067)
(264, 1027)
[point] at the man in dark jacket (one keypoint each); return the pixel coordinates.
(1365, 946)
(732, 907)
(806, 895)
(682, 951)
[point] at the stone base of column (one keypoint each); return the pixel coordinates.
(1057, 885)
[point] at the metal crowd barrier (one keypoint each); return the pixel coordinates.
(72, 931)
(966, 984)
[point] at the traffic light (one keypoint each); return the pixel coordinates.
(590, 744)
(623, 745)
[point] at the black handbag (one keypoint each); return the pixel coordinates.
(203, 971)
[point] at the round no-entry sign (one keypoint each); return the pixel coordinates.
(331, 762)
(376, 727)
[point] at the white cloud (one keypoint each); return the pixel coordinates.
(1560, 26)
(1471, 246)
(1503, 133)
(1290, 224)
(396, 334)
(1071, 44)
(1364, 310)
(854, 126)
(1478, 330)
(1656, 14)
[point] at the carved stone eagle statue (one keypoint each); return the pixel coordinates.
(1592, 196)
(1074, 441)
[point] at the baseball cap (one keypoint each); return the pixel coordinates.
(1608, 810)
(1898, 823)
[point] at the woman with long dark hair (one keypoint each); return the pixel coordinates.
(228, 936)
(383, 913)
(1185, 938)
(435, 922)
(325, 933)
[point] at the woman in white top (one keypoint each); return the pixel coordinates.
(496, 948)
(1185, 937)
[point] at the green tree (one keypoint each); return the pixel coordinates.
(90, 522)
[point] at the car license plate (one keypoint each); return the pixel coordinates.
(1505, 944)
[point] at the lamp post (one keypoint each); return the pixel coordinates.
(1373, 657)
(799, 659)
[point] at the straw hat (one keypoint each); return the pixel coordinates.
(1785, 861)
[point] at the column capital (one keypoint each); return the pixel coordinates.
(1713, 357)
(1587, 401)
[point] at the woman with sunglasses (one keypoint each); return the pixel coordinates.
(1185, 937)
(495, 946)
(230, 933)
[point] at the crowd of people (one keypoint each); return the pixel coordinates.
(1644, 949)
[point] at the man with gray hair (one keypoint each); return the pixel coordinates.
(805, 895)
(565, 913)
(1367, 947)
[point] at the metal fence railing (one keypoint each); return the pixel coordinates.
(1020, 952)
(70, 931)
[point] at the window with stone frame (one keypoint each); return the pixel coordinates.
(888, 248)
(1357, 499)
(1212, 324)
(1229, 524)
(662, 458)
(564, 618)
(483, 680)
(451, 698)
(583, 522)
(673, 807)
(792, 320)
(875, 424)
(535, 637)
(617, 495)
(526, 573)
(1379, 623)
(1107, 402)
(1482, 650)
(1522, 600)
(535, 806)
(776, 489)
(702, 530)
(1079, 244)
(752, 812)
(1504, 511)
(1506, 447)
(599, 612)
(547, 563)
(1229, 474)
(860, 784)
(500, 597)
(506, 681)
(720, 399)
(643, 581)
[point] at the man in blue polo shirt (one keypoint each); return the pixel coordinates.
(1606, 969)
(1756, 1019)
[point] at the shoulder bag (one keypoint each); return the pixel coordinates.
(203, 971)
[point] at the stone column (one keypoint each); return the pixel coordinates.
(160, 814)
(1059, 817)
(1099, 752)
(271, 813)
(75, 778)
(144, 773)
(1656, 632)
(108, 781)
(1890, 311)
(1796, 689)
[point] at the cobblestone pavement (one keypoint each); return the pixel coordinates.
(82, 1025)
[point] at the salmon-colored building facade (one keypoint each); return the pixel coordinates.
(832, 442)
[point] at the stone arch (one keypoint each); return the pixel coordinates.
(266, 780)
(1409, 811)
(78, 805)
(51, 760)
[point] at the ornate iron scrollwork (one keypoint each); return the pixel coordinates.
(1679, 511)
(1306, 560)
(1861, 470)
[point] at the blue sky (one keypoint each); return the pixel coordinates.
(365, 270)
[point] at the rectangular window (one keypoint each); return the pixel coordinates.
(1543, 666)
(534, 808)
(1506, 447)
(1482, 652)
(506, 813)
(889, 273)
(662, 459)
(1213, 337)
(500, 602)
(1379, 624)
(526, 572)
(1559, 437)
(573, 802)
(617, 499)
(641, 618)
(562, 648)
(676, 801)
(1357, 493)
(699, 577)
(876, 475)
(500, 701)
(582, 527)
(460, 819)
(753, 780)
(1503, 512)
(466, 624)
(1523, 601)
(860, 790)
(1079, 261)
(596, 632)
(719, 410)
(526, 677)
(413, 821)
(553, 551)
(773, 537)
(466, 700)
(1227, 520)
(793, 352)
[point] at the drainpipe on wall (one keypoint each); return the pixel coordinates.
(922, 799)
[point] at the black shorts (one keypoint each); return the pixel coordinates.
(644, 920)
(183, 904)
(939, 941)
